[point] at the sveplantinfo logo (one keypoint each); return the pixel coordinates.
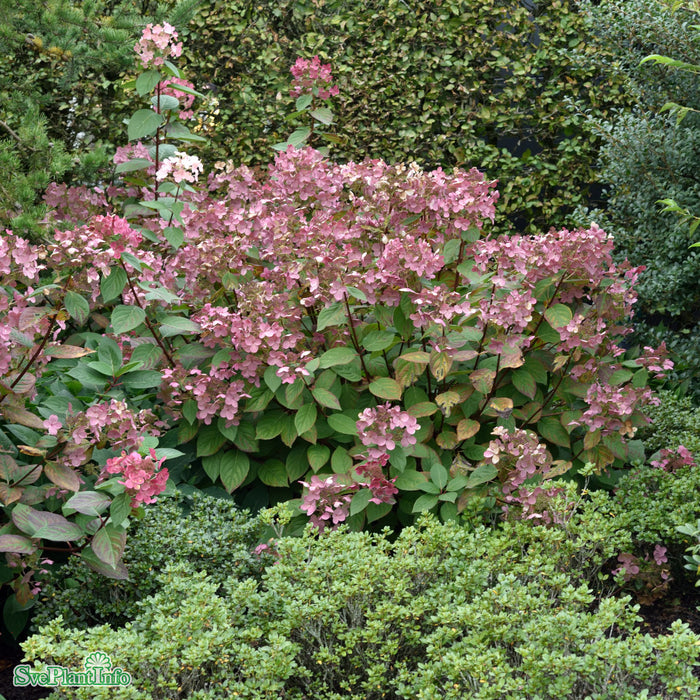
(98, 672)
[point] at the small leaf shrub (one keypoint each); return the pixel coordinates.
(492, 84)
(674, 421)
(207, 532)
(441, 612)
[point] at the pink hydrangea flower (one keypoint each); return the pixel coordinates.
(53, 424)
(144, 477)
(385, 426)
(157, 43)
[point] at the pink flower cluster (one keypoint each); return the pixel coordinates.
(96, 246)
(611, 407)
(111, 422)
(181, 167)
(672, 460)
(519, 454)
(15, 251)
(157, 43)
(313, 77)
(169, 87)
(327, 500)
(631, 565)
(372, 476)
(381, 428)
(71, 205)
(144, 478)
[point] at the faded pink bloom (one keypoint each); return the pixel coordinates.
(157, 43)
(144, 478)
(53, 424)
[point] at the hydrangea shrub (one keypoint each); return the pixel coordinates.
(352, 327)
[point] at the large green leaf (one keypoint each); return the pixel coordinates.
(88, 503)
(234, 469)
(305, 417)
(386, 388)
(144, 123)
(126, 318)
(44, 525)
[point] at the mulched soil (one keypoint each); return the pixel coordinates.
(681, 604)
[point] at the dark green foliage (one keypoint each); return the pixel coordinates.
(441, 612)
(61, 105)
(650, 157)
(209, 533)
(485, 84)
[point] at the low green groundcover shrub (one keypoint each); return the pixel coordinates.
(208, 532)
(442, 611)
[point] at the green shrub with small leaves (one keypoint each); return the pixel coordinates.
(441, 611)
(675, 421)
(208, 532)
(654, 502)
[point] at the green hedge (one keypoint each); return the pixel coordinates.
(440, 611)
(488, 84)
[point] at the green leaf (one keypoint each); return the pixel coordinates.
(323, 115)
(332, 315)
(271, 379)
(438, 475)
(305, 417)
(113, 285)
(174, 236)
(120, 509)
(144, 123)
(386, 388)
(17, 544)
(360, 501)
(165, 102)
(558, 315)
(318, 455)
(126, 318)
(43, 525)
(341, 461)
(177, 130)
(141, 379)
(295, 139)
(342, 424)
(209, 441)
(234, 469)
(524, 382)
(133, 165)
(325, 398)
(147, 81)
(411, 480)
(337, 356)
(269, 426)
(88, 502)
(77, 307)
(297, 463)
(378, 340)
(303, 101)
(108, 545)
(176, 325)
(273, 473)
(424, 502)
(119, 572)
(482, 474)
(552, 430)
(620, 376)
